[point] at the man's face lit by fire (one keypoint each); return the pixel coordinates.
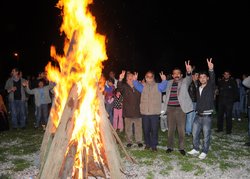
(176, 74)
(129, 78)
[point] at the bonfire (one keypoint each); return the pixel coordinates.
(79, 141)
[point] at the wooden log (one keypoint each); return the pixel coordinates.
(67, 167)
(61, 139)
(111, 150)
(121, 144)
(47, 138)
(50, 129)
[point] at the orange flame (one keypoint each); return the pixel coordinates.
(81, 64)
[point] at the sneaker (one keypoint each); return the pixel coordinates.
(169, 150)
(129, 145)
(232, 119)
(202, 156)
(239, 119)
(140, 145)
(182, 152)
(193, 152)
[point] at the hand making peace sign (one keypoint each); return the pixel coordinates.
(188, 67)
(210, 64)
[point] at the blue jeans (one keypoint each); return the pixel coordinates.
(42, 114)
(202, 123)
(150, 125)
(109, 109)
(18, 113)
(236, 110)
(190, 119)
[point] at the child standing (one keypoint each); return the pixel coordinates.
(42, 100)
(118, 120)
(109, 98)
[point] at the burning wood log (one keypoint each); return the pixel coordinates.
(56, 165)
(111, 149)
(61, 139)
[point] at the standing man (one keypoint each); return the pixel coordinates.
(192, 93)
(131, 109)
(16, 97)
(228, 94)
(150, 106)
(205, 106)
(178, 103)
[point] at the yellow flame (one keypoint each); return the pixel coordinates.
(81, 64)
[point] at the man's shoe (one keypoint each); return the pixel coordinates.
(202, 156)
(182, 152)
(140, 145)
(147, 147)
(239, 119)
(169, 150)
(247, 144)
(129, 145)
(193, 152)
(154, 149)
(219, 130)
(232, 119)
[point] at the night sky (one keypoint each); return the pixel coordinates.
(142, 35)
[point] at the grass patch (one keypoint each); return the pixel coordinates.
(199, 171)
(187, 166)
(20, 164)
(166, 170)
(224, 165)
(150, 175)
(5, 176)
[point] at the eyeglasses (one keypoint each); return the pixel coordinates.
(149, 76)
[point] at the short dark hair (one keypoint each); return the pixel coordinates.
(176, 68)
(111, 80)
(203, 73)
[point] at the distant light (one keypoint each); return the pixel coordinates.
(16, 54)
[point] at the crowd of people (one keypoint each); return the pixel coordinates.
(140, 108)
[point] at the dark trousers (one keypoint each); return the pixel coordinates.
(176, 119)
(150, 125)
(225, 109)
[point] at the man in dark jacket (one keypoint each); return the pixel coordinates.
(131, 109)
(204, 109)
(228, 94)
(192, 90)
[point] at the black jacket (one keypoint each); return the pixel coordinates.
(205, 101)
(192, 90)
(228, 91)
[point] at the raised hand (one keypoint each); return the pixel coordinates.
(163, 77)
(135, 76)
(122, 75)
(25, 83)
(210, 64)
(188, 66)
